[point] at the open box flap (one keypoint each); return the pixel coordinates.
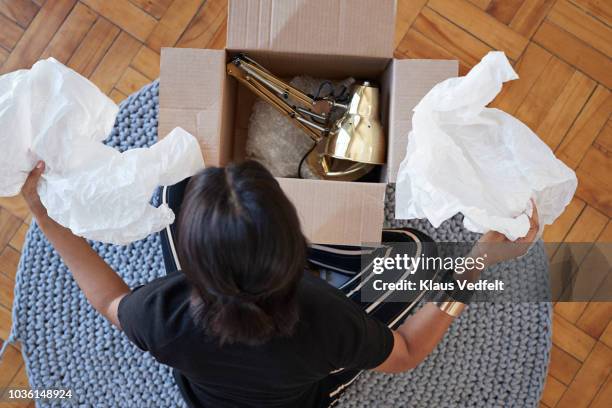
(192, 85)
(336, 212)
(325, 27)
(411, 79)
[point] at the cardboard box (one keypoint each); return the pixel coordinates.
(330, 39)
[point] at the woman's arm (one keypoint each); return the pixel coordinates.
(420, 334)
(101, 285)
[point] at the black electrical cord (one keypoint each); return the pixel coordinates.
(341, 95)
(302, 160)
(321, 86)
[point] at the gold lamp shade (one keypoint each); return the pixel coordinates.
(358, 136)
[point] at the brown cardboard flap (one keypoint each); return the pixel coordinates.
(332, 27)
(411, 80)
(192, 84)
(333, 212)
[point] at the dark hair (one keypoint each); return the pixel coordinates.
(241, 247)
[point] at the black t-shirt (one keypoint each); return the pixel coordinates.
(333, 332)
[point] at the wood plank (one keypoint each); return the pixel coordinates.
(16, 205)
(156, 8)
(93, 47)
(557, 231)
(37, 36)
(10, 33)
(588, 226)
(564, 110)
(116, 60)
(594, 282)
(481, 4)
(563, 366)
(529, 68)
(9, 259)
(529, 16)
(586, 229)
(575, 52)
(20, 380)
(482, 26)
(20, 404)
(589, 379)
(604, 139)
(131, 81)
(117, 96)
(606, 336)
(586, 128)
(544, 93)
(219, 40)
(126, 15)
(70, 34)
(595, 318)
(604, 396)
(6, 291)
(606, 234)
(5, 322)
(601, 9)
(571, 339)
(504, 10)
(594, 175)
(203, 28)
(9, 366)
(20, 11)
(570, 311)
(453, 39)
(19, 237)
(588, 29)
(9, 224)
(406, 12)
(553, 390)
(3, 55)
(416, 45)
(146, 62)
(172, 24)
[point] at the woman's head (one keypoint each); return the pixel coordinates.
(241, 247)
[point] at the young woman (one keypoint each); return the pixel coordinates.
(243, 323)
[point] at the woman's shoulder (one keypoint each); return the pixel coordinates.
(157, 310)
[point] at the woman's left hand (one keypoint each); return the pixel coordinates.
(30, 193)
(498, 248)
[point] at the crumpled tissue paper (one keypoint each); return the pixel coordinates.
(482, 162)
(51, 113)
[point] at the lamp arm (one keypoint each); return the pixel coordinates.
(277, 93)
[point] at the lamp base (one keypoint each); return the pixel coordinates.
(329, 168)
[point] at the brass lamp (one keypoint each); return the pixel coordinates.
(345, 149)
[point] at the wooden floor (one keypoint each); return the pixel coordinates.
(560, 48)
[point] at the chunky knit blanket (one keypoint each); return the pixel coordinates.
(495, 355)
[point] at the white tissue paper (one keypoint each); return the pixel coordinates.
(53, 114)
(482, 162)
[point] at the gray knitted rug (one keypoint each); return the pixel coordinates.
(495, 355)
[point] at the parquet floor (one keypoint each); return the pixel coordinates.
(560, 48)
